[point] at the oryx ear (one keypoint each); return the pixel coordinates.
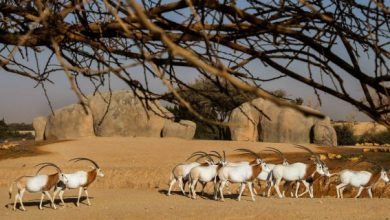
(92, 167)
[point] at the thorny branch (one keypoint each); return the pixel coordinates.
(327, 45)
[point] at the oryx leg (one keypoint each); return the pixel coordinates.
(61, 197)
(51, 200)
(193, 185)
(21, 199)
(203, 186)
(297, 189)
(342, 190)
(40, 203)
(16, 200)
(86, 193)
(338, 189)
(221, 186)
(359, 192)
(276, 186)
(241, 190)
(250, 186)
(307, 188)
(173, 181)
(181, 185)
(311, 191)
(78, 197)
(369, 190)
(270, 184)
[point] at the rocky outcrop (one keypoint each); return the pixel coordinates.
(123, 114)
(117, 114)
(39, 124)
(69, 122)
(324, 134)
(262, 120)
(183, 129)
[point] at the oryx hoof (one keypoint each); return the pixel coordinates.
(78, 204)
(222, 200)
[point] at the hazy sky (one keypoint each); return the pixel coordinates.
(21, 102)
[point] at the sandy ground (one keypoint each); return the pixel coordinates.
(137, 172)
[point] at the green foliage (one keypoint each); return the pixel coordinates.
(214, 101)
(372, 137)
(11, 132)
(345, 135)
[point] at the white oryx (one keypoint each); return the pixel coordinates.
(361, 180)
(299, 172)
(241, 173)
(204, 174)
(79, 179)
(38, 183)
(267, 176)
(180, 173)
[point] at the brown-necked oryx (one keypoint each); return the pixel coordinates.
(299, 172)
(38, 183)
(79, 179)
(360, 179)
(241, 173)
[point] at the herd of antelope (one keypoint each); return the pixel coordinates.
(59, 181)
(223, 172)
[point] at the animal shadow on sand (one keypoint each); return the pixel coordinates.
(47, 203)
(209, 196)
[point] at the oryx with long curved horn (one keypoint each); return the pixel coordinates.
(299, 172)
(205, 173)
(361, 179)
(180, 172)
(267, 176)
(38, 183)
(79, 179)
(244, 174)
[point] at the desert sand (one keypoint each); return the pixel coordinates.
(136, 176)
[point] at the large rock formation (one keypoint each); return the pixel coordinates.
(117, 114)
(324, 134)
(39, 124)
(183, 129)
(123, 114)
(69, 122)
(277, 124)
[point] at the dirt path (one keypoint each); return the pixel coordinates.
(137, 171)
(150, 204)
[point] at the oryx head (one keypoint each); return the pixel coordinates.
(321, 167)
(222, 159)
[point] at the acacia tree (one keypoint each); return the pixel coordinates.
(337, 42)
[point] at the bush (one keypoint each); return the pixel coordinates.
(345, 135)
(371, 137)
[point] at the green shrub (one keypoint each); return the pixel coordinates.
(371, 137)
(345, 135)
